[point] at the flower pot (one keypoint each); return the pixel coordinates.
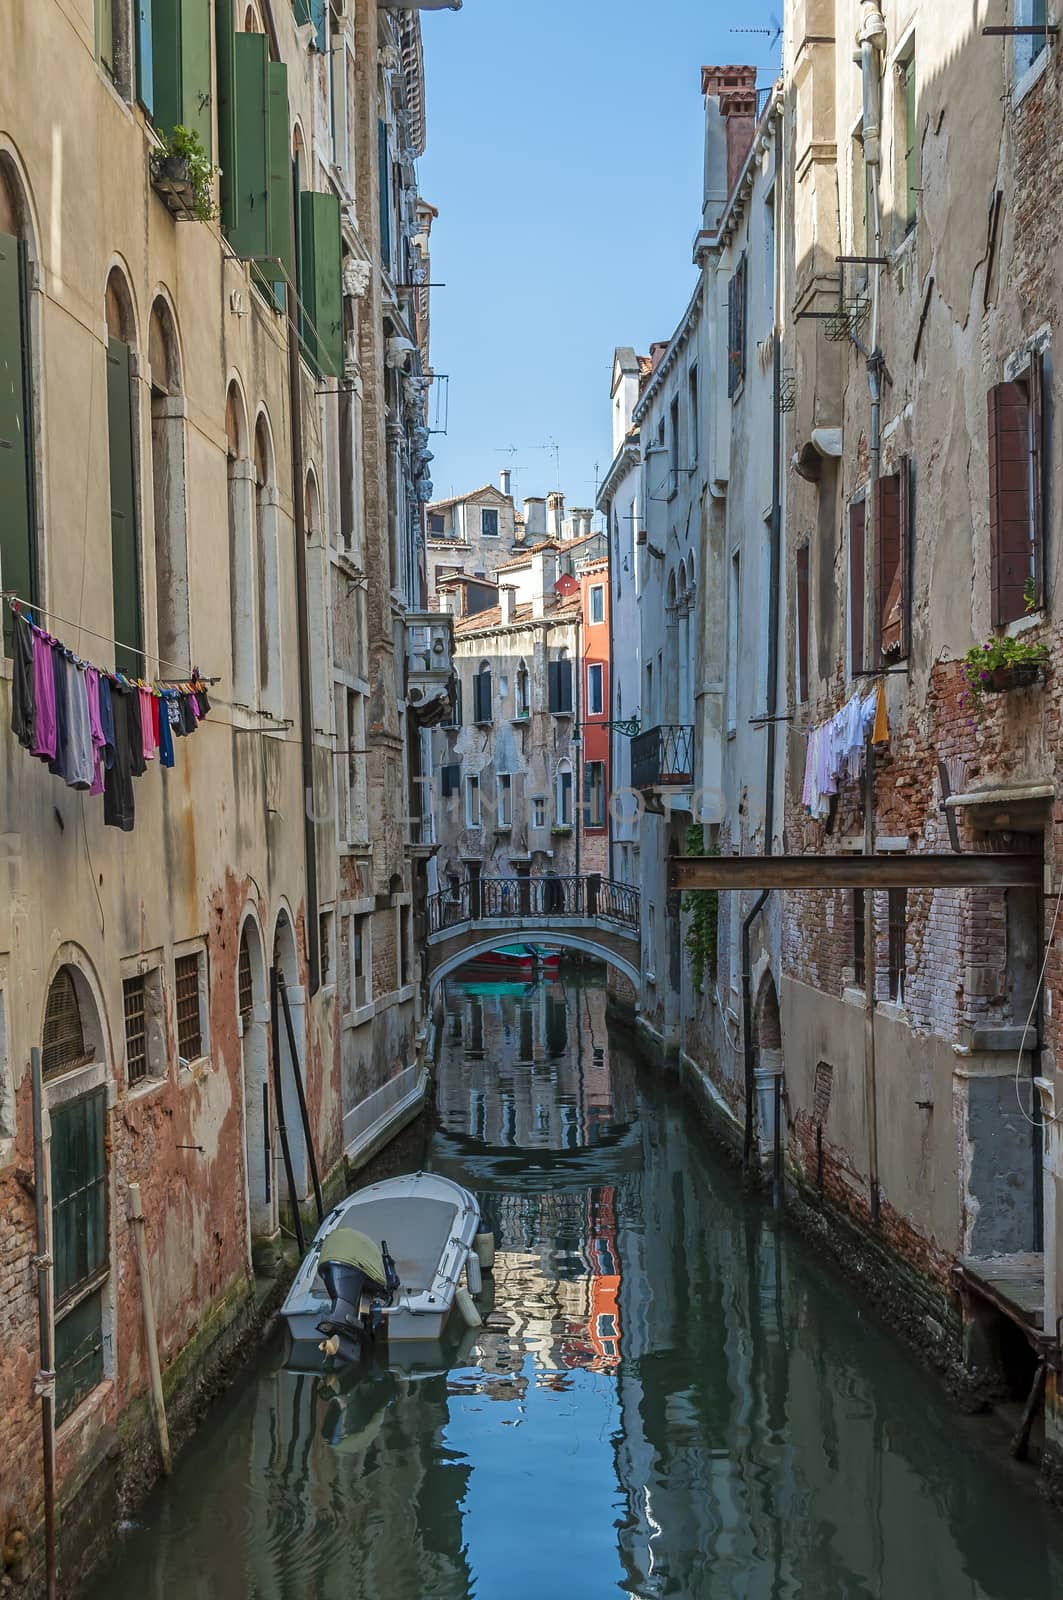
(172, 182)
(1020, 675)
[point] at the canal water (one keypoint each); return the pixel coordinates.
(671, 1395)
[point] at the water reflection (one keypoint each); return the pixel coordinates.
(668, 1396)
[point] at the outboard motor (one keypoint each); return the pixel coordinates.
(359, 1277)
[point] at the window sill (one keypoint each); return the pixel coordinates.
(854, 996)
(1022, 625)
(144, 1088)
(895, 1010)
(568, 713)
(196, 1069)
(360, 1015)
(483, 722)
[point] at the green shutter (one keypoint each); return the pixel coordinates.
(125, 563)
(249, 231)
(18, 564)
(280, 172)
(145, 54)
(320, 277)
(182, 59)
(79, 1192)
(227, 144)
(104, 13)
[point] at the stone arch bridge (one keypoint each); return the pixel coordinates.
(589, 913)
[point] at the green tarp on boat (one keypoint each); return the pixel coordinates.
(353, 1249)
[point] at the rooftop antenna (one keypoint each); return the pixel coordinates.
(772, 34)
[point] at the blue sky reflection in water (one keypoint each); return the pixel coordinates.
(671, 1397)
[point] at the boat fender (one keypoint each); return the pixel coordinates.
(484, 1245)
(473, 1276)
(463, 1301)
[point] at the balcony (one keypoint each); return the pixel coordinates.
(430, 666)
(662, 756)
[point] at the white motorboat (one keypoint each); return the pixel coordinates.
(387, 1262)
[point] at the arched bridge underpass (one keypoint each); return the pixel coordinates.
(590, 913)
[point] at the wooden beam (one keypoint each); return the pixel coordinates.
(893, 871)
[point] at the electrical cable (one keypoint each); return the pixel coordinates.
(1035, 1122)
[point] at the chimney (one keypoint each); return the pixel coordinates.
(507, 602)
(534, 518)
(504, 481)
(544, 577)
(736, 90)
(555, 515)
(581, 522)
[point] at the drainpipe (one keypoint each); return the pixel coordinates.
(749, 1053)
(872, 47)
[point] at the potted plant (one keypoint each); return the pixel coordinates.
(1003, 663)
(560, 831)
(182, 174)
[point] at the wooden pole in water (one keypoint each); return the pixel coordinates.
(157, 1399)
(282, 1126)
(45, 1385)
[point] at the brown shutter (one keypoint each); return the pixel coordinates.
(1038, 458)
(857, 520)
(1009, 500)
(888, 562)
(904, 572)
(802, 623)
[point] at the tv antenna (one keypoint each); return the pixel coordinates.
(772, 34)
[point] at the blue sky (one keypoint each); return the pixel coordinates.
(564, 155)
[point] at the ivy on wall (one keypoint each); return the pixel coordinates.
(703, 907)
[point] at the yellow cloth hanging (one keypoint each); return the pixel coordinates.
(880, 733)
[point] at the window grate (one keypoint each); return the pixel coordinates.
(63, 1045)
(859, 951)
(134, 1006)
(245, 987)
(189, 1029)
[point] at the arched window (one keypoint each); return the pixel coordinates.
(19, 565)
(123, 436)
(267, 595)
(241, 475)
(169, 491)
(481, 693)
(63, 1045)
(523, 690)
(563, 794)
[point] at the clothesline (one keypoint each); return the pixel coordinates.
(19, 602)
(836, 748)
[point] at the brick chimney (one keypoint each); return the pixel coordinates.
(736, 90)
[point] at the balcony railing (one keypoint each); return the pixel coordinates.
(534, 899)
(662, 755)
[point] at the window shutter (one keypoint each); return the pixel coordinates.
(319, 17)
(385, 192)
(249, 233)
(554, 675)
(18, 566)
(320, 277)
(280, 173)
(181, 60)
(857, 522)
(732, 356)
(905, 561)
(166, 63)
(1009, 500)
(125, 564)
(1038, 459)
(196, 95)
(888, 562)
(742, 296)
(145, 61)
(565, 685)
(225, 44)
(451, 781)
(802, 623)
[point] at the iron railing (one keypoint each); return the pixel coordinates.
(662, 755)
(534, 899)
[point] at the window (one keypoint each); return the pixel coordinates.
(355, 768)
(122, 433)
(523, 690)
(892, 504)
(801, 623)
(595, 689)
(326, 925)
(594, 785)
(769, 256)
(79, 1244)
(692, 414)
(449, 780)
(403, 915)
(859, 962)
(145, 1038)
(898, 919)
(63, 1047)
(648, 709)
(481, 694)
(560, 675)
(189, 1006)
(563, 795)
(18, 551)
(267, 597)
(361, 960)
(736, 328)
(505, 800)
(107, 17)
(437, 523)
(733, 597)
(489, 522)
(857, 519)
(906, 179)
(539, 811)
(1030, 47)
(673, 447)
(597, 604)
(168, 490)
(245, 983)
(472, 801)
(1017, 493)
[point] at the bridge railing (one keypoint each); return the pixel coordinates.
(534, 899)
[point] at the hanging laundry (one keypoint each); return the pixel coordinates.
(44, 727)
(147, 725)
(23, 702)
(880, 734)
(165, 732)
(119, 809)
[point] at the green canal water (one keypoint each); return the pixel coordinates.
(671, 1395)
